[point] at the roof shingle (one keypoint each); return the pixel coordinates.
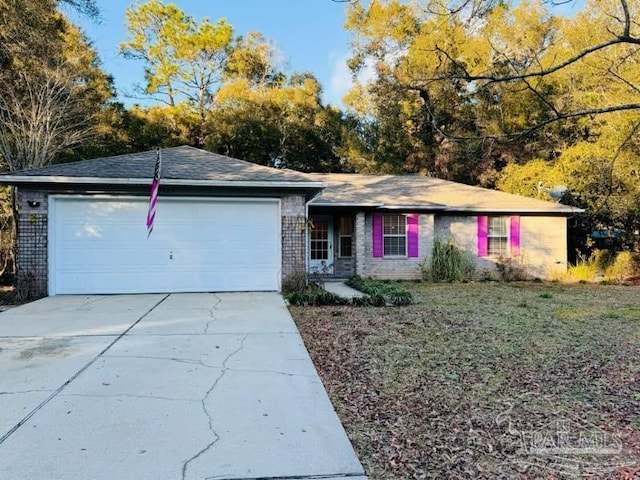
(191, 166)
(178, 163)
(393, 191)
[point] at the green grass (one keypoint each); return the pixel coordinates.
(423, 390)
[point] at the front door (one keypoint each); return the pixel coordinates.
(321, 245)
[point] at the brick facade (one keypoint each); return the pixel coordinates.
(32, 236)
(294, 237)
(543, 243)
(545, 254)
(32, 248)
(394, 268)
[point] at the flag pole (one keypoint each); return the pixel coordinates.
(153, 194)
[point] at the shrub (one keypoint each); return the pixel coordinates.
(585, 270)
(313, 295)
(603, 258)
(625, 265)
(448, 263)
(381, 292)
(295, 282)
(511, 269)
(615, 267)
(25, 287)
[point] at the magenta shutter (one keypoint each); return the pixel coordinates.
(514, 236)
(412, 235)
(378, 248)
(483, 244)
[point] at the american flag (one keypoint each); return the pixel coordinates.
(153, 195)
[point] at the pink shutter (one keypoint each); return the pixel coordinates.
(514, 236)
(412, 235)
(378, 247)
(483, 244)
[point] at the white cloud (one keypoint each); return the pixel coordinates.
(342, 79)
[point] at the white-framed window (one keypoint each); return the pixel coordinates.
(394, 235)
(320, 240)
(345, 237)
(498, 236)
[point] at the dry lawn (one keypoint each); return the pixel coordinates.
(467, 382)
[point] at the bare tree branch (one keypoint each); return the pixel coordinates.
(520, 76)
(558, 116)
(41, 119)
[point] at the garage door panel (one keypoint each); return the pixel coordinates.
(100, 245)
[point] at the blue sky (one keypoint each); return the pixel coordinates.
(309, 34)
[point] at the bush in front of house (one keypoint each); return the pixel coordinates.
(312, 296)
(611, 266)
(448, 263)
(512, 269)
(625, 265)
(381, 292)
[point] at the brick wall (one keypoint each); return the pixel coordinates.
(543, 243)
(393, 268)
(294, 230)
(32, 250)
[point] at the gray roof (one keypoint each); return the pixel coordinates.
(188, 166)
(185, 164)
(425, 193)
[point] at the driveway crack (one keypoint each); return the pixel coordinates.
(188, 361)
(212, 313)
(274, 372)
(18, 392)
(130, 395)
(90, 301)
(185, 465)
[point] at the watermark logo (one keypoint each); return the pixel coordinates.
(567, 437)
(566, 445)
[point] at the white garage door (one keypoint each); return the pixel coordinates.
(100, 245)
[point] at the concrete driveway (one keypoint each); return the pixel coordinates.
(180, 386)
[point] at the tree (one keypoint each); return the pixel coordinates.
(229, 94)
(514, 62)
(40, 122)
(185, 60)
(281, 123)
(505, 94)
(255, 59)
(602, 176)
(53, 90)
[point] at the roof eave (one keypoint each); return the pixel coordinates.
(564, 211)
(430, 207)
(345, 204)
(449, 209)
(29, 179)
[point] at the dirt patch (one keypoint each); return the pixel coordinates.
(464, 383)
(47, 347)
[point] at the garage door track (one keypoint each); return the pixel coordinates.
(179, 386)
